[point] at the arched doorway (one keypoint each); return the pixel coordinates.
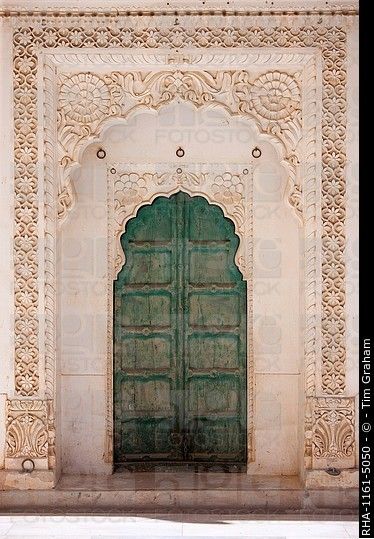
(180, 324)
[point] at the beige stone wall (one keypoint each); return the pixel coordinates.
(304, 330)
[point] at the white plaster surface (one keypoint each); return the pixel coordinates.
(276, 424)
(82, 327)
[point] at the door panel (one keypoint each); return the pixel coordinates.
(216, 338)
(212, 309)
(145, 379)
(220, 351)
(180, 337)
(208, 265)
(145, 352)
(150, 266)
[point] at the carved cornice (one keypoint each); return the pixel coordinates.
(151, 8)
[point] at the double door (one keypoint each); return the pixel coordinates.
(180, 310)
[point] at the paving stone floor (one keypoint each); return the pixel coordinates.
(174, 526)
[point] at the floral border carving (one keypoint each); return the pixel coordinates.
(33, 34)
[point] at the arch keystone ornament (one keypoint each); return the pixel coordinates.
(85, 73)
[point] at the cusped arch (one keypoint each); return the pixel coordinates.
(232, 91)
(145, 187)
(192, 194)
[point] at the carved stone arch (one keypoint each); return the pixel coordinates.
(283, 135)
(238, 93)
(134, 189)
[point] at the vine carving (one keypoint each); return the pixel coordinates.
(273, 100)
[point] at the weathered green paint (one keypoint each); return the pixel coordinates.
(180, 337)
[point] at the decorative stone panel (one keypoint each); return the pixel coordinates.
(333, 432)
(86, 101)
(73, 137)
(30, 433)
(280, 100)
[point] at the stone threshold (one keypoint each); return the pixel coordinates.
(181, 492)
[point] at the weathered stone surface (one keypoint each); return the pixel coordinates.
(261, 85)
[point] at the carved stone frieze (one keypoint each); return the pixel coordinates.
(333, 434)
(180, 8)
(86, 101)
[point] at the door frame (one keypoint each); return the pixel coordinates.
(234, 465)
(127, 194)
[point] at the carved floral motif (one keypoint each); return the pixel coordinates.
(130, 188)
(273, 96)
(27, 429)
(228, 188)
(333, 435)
(276, 96)
(84, 98)
(186, 179)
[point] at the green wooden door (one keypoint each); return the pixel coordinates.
(180, 337)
